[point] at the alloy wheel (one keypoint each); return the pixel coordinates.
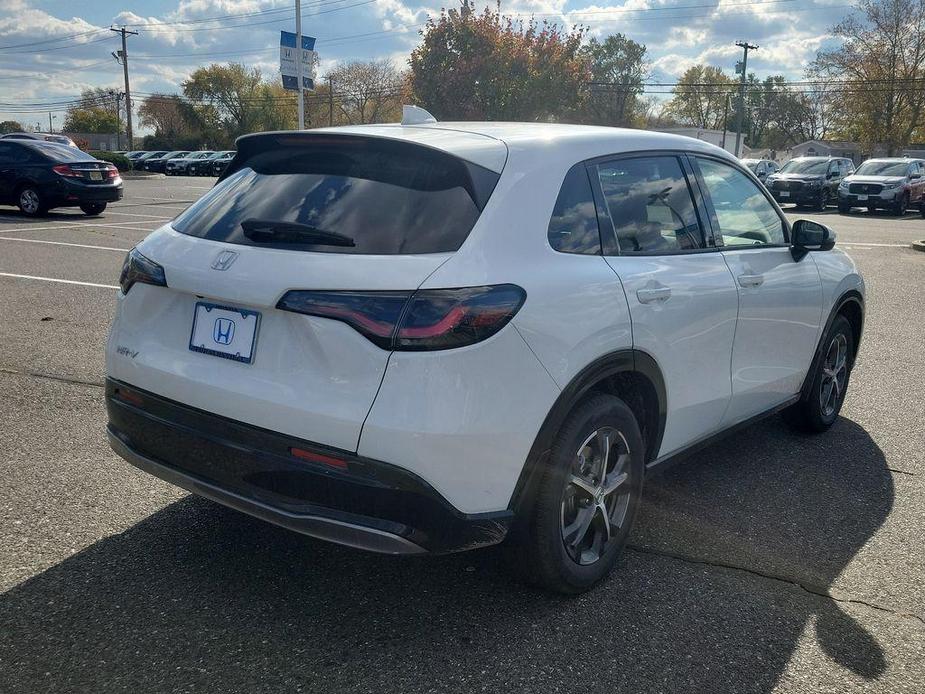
(29, 201)
(834, 374)
(596, 498)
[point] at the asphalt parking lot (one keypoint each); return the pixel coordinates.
(771, 562)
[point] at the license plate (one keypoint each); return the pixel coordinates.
(785, 193)
(862, 198)
(223, 331)
(96, 176)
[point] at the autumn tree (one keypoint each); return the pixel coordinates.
(166, 114)
(699, 99)
(618, 68)
(882, 57)
(10, 126)
(484, 66)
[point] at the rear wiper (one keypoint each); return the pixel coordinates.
(273, 231)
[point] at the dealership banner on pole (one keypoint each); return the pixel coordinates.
(287, 61)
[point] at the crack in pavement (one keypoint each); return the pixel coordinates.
(818, 591)
(51, 377)
(902, 472)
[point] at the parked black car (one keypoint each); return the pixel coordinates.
(158, 164)
(203, 167)
(179, 166)
(219, 165)
(810, 181)
(37, 176)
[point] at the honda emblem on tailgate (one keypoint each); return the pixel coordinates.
(224, 260)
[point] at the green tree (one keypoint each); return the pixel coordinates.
(229, 97)
(882, 54)
(485, 66)
(93, 119)
(699, 98)
(10, 126)
(618, 68)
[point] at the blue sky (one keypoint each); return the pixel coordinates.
(174, 40)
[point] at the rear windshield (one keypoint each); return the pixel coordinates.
(388, 197)
(62, 152)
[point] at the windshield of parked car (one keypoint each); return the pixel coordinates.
(806, 166)
(883, 168)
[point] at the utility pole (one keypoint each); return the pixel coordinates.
(117, 97)
(725, 119)
(50, 129)
(123, 54)
(746, 47)
(298, 62)
(330, 101)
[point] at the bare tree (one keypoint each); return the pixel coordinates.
(366, 92)
(881, 63)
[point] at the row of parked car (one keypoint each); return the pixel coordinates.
(181, 162)
(895, 184)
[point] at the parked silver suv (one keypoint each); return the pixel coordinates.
(892, 184)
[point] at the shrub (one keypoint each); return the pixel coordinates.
(120, 160)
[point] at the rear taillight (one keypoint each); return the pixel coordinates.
(65, 170)
(428, 319)
(111, 172)
(137, 268)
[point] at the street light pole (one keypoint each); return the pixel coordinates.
(745, 46)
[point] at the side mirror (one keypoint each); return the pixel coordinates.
(808, 235)
(914, 176)
(830, 174)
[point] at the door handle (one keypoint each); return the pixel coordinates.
(751, 280)
(653, 295)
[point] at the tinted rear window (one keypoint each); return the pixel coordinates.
(389, 197)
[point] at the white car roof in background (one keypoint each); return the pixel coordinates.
(488, 143)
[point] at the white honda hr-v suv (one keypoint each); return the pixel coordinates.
(433, 337)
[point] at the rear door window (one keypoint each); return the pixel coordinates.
(650, 205)
(388, 197)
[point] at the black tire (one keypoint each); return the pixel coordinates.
(922, 209)
(823, 201)
(543, 556)
(31, 202)
(843, 208)
(818, 408)
(871, 209)
(899, 209)
(93, 208)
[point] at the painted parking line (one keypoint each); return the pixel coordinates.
(851, 244)
(65, 243)
(79, 225)
(56, 279)
(152, 217)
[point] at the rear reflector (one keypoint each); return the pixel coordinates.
(313, 457)
(428, 319)
(128, 396)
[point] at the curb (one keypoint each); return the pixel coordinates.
(919, 245)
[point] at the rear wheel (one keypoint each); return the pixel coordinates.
(30, 201)
(587, 497)
(818, 408)
(93, 208)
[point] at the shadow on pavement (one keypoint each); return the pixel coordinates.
(199, 598)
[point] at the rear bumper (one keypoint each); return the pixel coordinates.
(369, 505)
(75, 193)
